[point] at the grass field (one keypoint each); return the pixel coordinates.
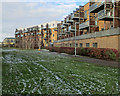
(42, 72)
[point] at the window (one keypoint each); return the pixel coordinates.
(87, 45)
(70, 45)
(11, 40)
(7, 40)
(81, 44)
(53, 24)
(85, 15)
(76, 45)
(95, 45)
(53, 35)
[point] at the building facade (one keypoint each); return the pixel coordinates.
(38, 36)
(8, 42)
(96, 24)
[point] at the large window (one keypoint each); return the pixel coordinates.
(87, 44)
(95, 45)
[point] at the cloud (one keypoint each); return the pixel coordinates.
(58, 1)
(23, 14)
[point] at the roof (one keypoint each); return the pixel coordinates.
(10, 38)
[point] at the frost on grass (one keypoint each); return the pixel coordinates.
(51, 73)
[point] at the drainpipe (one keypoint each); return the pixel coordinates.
(113, 14)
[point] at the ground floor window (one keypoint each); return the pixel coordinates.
(81, 45)
(87, 44)
(95, 45)
(76, 45)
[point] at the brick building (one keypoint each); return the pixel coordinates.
(8, 42)
(96, 24)
(36, 36)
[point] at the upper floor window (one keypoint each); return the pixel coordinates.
(11, 40)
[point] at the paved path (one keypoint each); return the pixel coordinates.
(91, 60)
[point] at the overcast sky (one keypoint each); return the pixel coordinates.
(23, 13)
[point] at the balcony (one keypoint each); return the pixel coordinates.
(68, 20)
(84, 25)
(34, 29)
(25, 31)
(97, 6)
(62, 26)
(72, 28)
(65, 29)
(17, 32)
(65, 23)
(46, 32)
(62, 33)
(75, 16)
(102, 15)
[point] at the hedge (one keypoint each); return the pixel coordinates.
(100, 53)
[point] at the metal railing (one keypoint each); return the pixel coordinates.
(75, 15)
(102, 13)
(17, 32)
(84, 25)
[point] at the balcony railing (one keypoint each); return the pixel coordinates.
(96, 5)
(84, 25)
(26, 31)
(75, 16)
(102, 14)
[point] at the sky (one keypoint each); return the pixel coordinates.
(24, 13)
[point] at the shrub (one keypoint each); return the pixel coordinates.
(100, 53)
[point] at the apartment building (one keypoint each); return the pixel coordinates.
(8, 42)
(37, 36)
(96, 24)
